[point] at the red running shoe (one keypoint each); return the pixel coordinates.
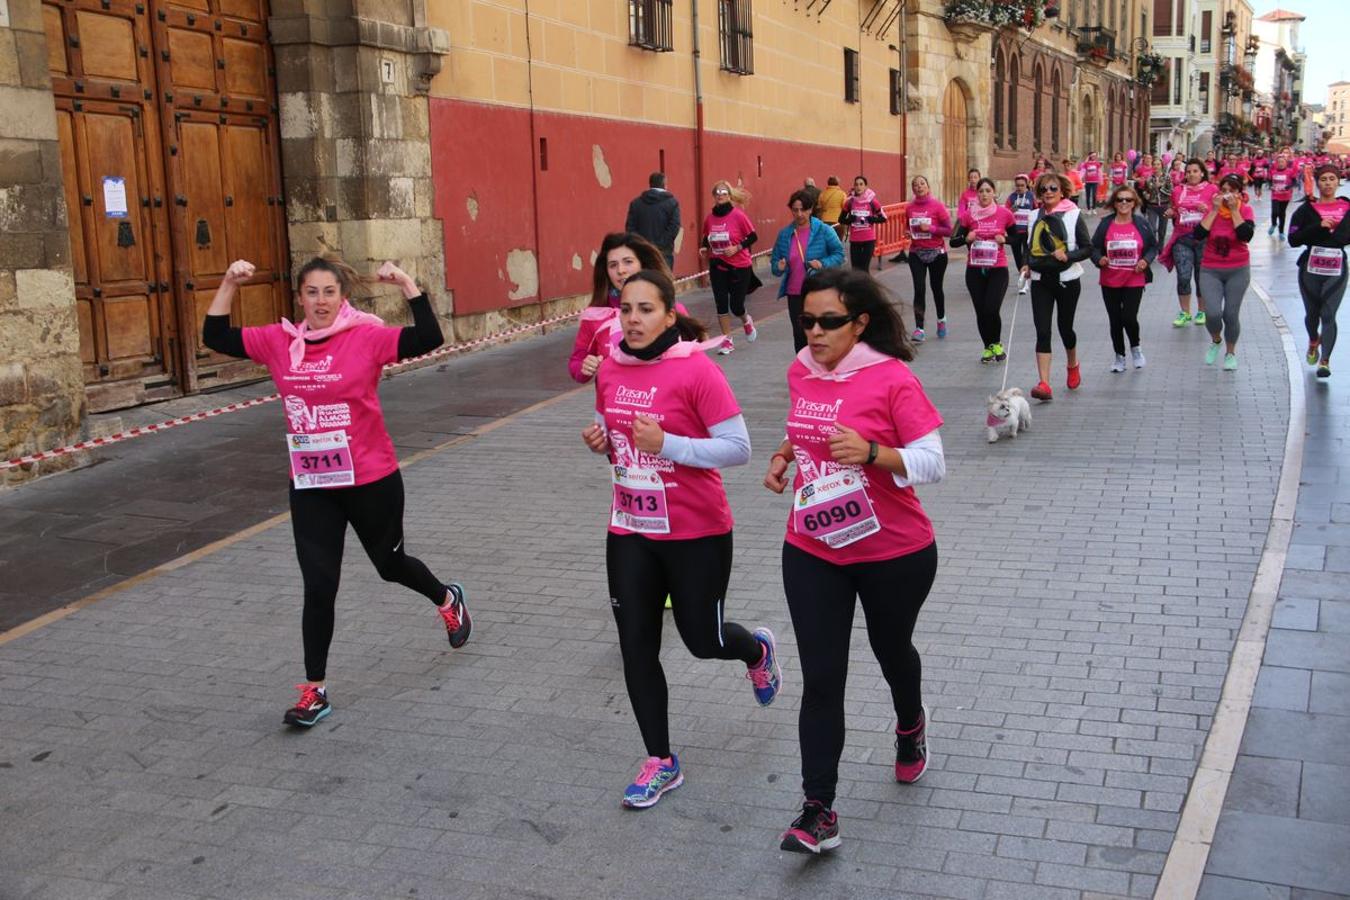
(1075, 378)
(1042, 392)
(312, 707)
(816, 829)
(455, 614)
(911, 750)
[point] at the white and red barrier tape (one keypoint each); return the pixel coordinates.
(391, 369)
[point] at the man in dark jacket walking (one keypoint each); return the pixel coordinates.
(655, 214)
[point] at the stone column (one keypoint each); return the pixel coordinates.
(352, 81)
(41, 382)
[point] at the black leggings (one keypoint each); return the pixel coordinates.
(1278, 208)
(319, 518)
(860, 254)
(1321, 299)
(987, 287)
(796, 303)
(936, 270)
(1122, 314)
(820, 597)
(728, 287)
(1045, 296)
(1019, 249)
(694, 573)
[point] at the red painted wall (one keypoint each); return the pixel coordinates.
(486, 152)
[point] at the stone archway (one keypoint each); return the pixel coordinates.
(956, 143)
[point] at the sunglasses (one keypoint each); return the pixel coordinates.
(1124, 200)
(828, 322)
(721, 191)
(1048, 189)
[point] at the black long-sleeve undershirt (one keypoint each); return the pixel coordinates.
(422, 336)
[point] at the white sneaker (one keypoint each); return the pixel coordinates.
(750, 331)
(1119, 364)
(1022, 284)
(1138, 356)
(727, 346)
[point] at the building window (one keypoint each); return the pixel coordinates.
(1162, 18)
(649, 24)
(1055, 98)
(1162, 85)
(1177, 79)
(1180, 27)
(1206, 31)
(733, 24)
(897, 100)
(999, 81)
(1039, 86)
(852, 76)
(1204, 93)
(1014, 79)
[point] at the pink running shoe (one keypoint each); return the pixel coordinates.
(750, 331)
(911, 751)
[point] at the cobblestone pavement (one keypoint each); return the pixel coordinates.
(1285, 826)
(1094, 573)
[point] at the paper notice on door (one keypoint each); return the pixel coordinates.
(114, 197)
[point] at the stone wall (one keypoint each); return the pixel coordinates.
(41, 383)
(352, 78)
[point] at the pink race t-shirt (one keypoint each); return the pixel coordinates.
(1124, 250)
(1223, 250)
(883, 403)
(1092, 171)
(1332, 212)
(969, 199)
(685, 396)
(857, 213)
(982, 224)
(726, 231)
(1118, 173)
(929, 223)
(334, 389)
(1192, 202)
(1282, 184)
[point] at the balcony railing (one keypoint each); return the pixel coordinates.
(1096, 44)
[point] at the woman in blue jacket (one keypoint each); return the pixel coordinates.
(805, 246)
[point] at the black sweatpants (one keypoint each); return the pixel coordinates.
(821, 598)
(1045, 297)
(796, 303)
(695, 574)
(1122, 314)
(728, 287)
(936, 271)
(319, 519)
(987, 288)
(1278, 209)
(860, 254)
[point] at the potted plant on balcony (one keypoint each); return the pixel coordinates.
(968, 19)
(1148, 68)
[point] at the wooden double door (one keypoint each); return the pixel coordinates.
(167, 118)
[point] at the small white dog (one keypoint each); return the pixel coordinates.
(1008, 411)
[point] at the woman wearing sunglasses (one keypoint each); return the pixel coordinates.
(806, 245)
(1225, 267)
(728, 236)
(862, 433)
(988, 228)
(1123, 247)
(1059, 241)
(666, 418)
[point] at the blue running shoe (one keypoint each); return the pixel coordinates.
(766, 675)
(656, 776)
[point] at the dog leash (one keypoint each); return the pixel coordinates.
(1012, 324)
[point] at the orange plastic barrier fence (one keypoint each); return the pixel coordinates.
(893, 234)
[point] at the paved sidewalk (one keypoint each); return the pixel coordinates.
(1094, 573)
(1284, 833)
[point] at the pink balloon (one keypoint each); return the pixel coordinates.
(1131, 155)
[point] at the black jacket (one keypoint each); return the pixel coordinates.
(1146, 233)
(1040, 260)
(1305, 230)
(655, 214)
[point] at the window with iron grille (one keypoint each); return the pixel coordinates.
(896, 98)
(649, 24)
(737, 37)
(852, 76)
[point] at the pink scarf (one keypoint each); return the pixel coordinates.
(860, 357)
(348, 317)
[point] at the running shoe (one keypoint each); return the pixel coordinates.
(999, 353)
(1182, 320)
(455, 614)
(1199, 317)
(750, 331)
(1324, 370)
(727, 346)
(1282, 237)
(1230, 362)
(916, 336)
(942, 329)
(765, 675)
(1314, 352)
(816, 829)
(1212, 353)
(1119, 364)
(1026, 286)
(1137, 357)
(911, 750)
(1021, 284)
(1042, 392)
(656, 776)
(987, 355)
(312, 707)
(1075, 377)
(1271, 229)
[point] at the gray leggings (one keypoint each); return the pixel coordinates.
(1321, 298)
(1186, 253)
(1222, 291)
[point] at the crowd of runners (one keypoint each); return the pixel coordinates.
(859, 432)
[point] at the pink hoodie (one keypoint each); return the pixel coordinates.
(929, 223)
